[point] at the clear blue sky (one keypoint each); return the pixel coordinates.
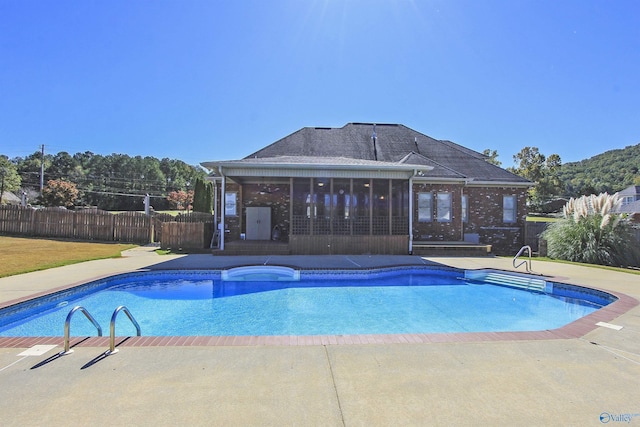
(216, 80)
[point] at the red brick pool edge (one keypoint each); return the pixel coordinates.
(576, 329)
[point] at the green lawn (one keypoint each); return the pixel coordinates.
(22, 255)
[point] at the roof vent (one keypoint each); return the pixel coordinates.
(374, 138)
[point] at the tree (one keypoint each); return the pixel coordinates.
(199, 196)
(610, 172)
(63, 166)
(492, 157)
(181, 199)
(590, 232)
(9, 178)
(111, 182)
(203, 196)
(534, 166)
(59, 193)
(29, 168)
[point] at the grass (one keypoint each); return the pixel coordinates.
(542, 219)
(21, 255)
(604, 267)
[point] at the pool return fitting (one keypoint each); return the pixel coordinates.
(112, 327)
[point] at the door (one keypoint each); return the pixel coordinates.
(259, 223)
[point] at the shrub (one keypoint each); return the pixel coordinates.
(592, 233)
(59, 193)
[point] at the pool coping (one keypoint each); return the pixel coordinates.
(575, 329)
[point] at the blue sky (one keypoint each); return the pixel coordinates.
(217, 80)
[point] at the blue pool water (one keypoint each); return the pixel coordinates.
(189, 303)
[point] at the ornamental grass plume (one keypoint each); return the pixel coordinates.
(591, 232)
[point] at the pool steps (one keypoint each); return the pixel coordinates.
(512, 280)
(263, 273)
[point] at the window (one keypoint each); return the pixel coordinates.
(444, 207)
(509, 208)
(230, 202)
(424, 207)
(465, 208)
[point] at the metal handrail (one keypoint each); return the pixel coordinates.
(112, 327)
(67, 326)
(527, 266)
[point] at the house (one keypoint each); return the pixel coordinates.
(9, 199)
(630, 194)
(630, 202)
(368, 188)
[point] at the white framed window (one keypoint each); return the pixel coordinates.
(425, 210)
(509, 209)
(230, 203)
(465, 208)
(443, 207)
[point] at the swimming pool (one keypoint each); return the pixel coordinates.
(383, 301)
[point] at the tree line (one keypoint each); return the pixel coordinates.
(608, 172)
(111, 182)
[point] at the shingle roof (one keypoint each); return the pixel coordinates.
(633, 207)
(394, 143)
(630, 191)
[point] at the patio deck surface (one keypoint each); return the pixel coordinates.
(584, 379)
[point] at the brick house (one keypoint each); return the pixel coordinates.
(368, 189)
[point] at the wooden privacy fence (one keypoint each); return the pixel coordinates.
(181, 235)
(190, 217)
(133, 227)
(532, 232)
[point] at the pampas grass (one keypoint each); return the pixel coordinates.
(592, 233)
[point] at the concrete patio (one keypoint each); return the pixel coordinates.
(580, 381)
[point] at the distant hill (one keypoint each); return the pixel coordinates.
(610, 171)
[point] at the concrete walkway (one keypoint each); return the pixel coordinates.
(581, 382)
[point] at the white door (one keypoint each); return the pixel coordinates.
(259, 223)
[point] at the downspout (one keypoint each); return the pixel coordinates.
(222, 210)
(215, 212)
(461, 213)
(415, 171)
(215, 206)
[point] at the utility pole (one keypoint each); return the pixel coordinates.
(42, 171)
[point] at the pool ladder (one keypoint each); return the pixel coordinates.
(112, 327)
(527, 264)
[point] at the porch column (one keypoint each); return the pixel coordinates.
(370, 206)
(312, 207)
(411, 215)
(290, 207)
(222, 211)
(390, 206)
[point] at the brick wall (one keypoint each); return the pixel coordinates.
(249, 195)
(486, 218)
(277, 200)
(434, 230)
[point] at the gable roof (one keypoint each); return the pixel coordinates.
(383, 144)
(633, 190)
